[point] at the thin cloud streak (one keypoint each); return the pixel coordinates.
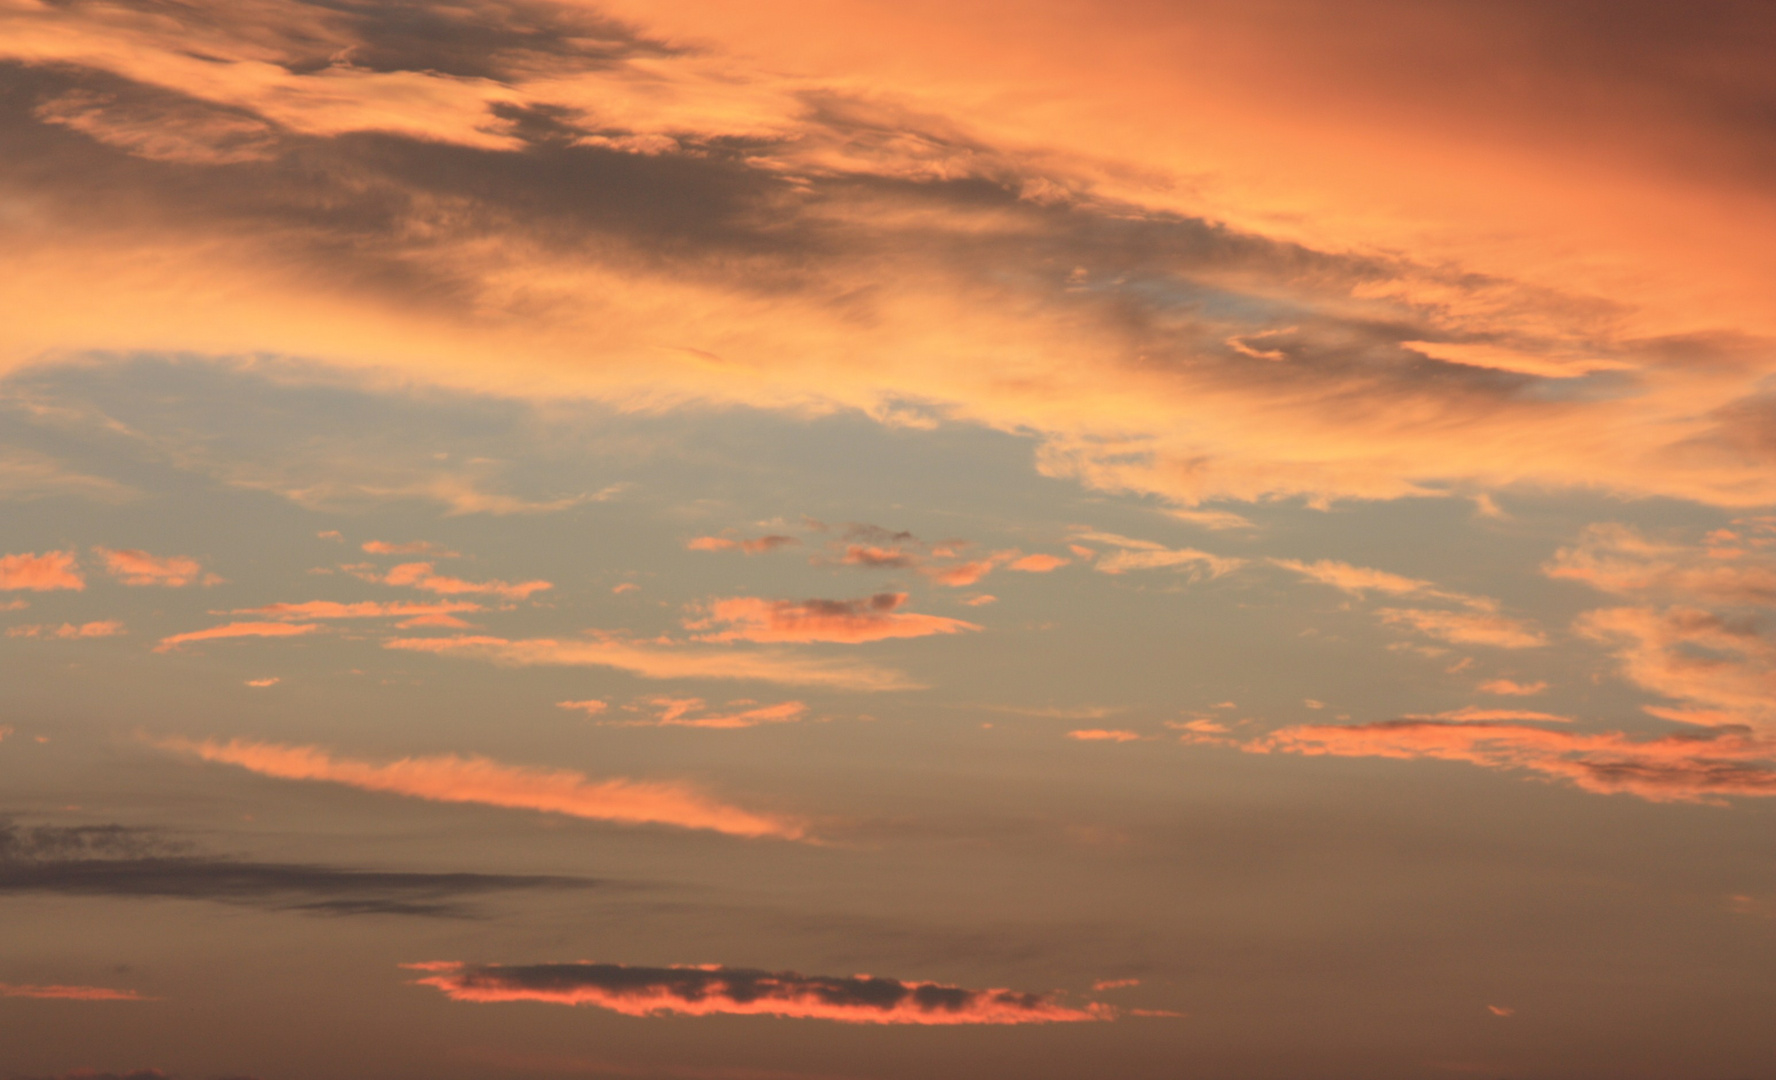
(238, 630)
(479, 780)
(710, 990)
(875, 618)
(655, 661)
(70, 993)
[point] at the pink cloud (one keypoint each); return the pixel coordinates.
(849, 621)
(133, 567)
(654, 660)
(261, 684)
(482, 781)
(710, 990)
(1037, 564)
(70, 993)
(1476, 712)
(411, 547)
(237, 630)
(1114, 984)
(41, 573)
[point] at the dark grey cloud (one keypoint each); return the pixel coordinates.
(126, 862)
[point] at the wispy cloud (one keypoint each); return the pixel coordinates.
(696, 713)
(136, 567)
(70, 993)
(652, 660)
(1134, 554)
(102, 628)
(363, 609)
(237, 630)
(125, 862)
(410, 547)
(1467, 627)
(1690, 767)
(479, 780)
(420, 575)
(708, 990)
(874, 618)
(751, 545)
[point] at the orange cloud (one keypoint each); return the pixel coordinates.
(479, 780)
(411, 547)
(652, 660)
(107, 628)
(1734, 569)
(1102, 735)
(678, 712)
(40, 573)
(710, 990)
(70, 993)
(590, 707)
(236, 630)
(848, 621)
(261, 684)
(1467, 628)
(756, 545)
(1725, 670)
(1360, 580)
(1475, 712)
(1037, 564)
(367, 609)
(419, 575)
(1114, 984)
(133, 567)
(1511, 688)
(1689, 767)
(1133, 554)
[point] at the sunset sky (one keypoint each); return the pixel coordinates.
(848, 540)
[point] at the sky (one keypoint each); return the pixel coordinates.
(862, 541)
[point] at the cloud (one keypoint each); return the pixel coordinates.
(755, 545)
(874, 618)
(1361, 580)
(1737, 566)
(411, 547)
(1467, 628)
(1695, 766)
(1477, 712)
(482, 781)
(260, 684)
(1511, 688)
(134, 567)
(365, 609)
(1157, 294)
(709, 990)
(1133, 554)
(237, 630)
(684, 712)
(1723, 670)
(105, 628)
(41, 573)
(419, 575)
(1037, 564)
(28, 475)
(589, 707)
(1103, 735)
(70, 993)
(652, 660)
(128, 862)
(1114, 984)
